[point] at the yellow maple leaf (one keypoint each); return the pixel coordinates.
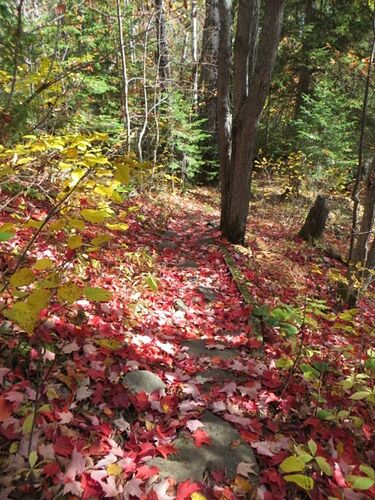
(75, 241)
(69, 293)
(43, 264)
(242, 484)
(114, 470)
(22, 277)
(23, 315)
(198, 496)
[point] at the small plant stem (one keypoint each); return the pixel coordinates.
(302, 331)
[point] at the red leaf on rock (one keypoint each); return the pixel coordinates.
(140, 400)
(166, 449)
(144, 472)
(186, 489)
(201, 437)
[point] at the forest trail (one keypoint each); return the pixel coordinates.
(166, 391)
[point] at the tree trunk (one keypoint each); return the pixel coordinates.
(316, 219)
(194, 50)
(207, 98)
(125, 82)
(304, 75)
(224, 117)
(363, 255)
(253, 63)
(162, 52)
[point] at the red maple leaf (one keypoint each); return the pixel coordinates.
(51, 469)
(144, 472)
(5, 410)
(140, 400)
(186, 489)
(63, 446)
(166, 449)
(201, 437)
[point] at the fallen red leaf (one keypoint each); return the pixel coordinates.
(140, 400)
(51, 469)
(166, 449)
(186, 489)
(63, 446)
(144, 472)
(201, 437)
(5, 410)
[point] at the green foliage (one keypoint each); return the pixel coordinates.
(182, 136)
(326, 135)
(287, 318)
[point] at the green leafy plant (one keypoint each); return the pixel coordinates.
(182, 138)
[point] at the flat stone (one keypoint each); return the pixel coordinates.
(213, 375)
(221, 454)
(143, 380)
(187, 264)
(206, 241)
(229, 333)
(168, 244)
(180, 305)
(199, 348)
(208, 293)
(170, 234)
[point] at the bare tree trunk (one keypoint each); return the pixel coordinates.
(184, 55)
(162, 53)
(207, 87)
(363, 255)
(244, 50)
(360, 170)
(194, 50)
(304, 76)
(125, 82)
(16, 56)
(145, 96)
(224, 115)
(249, 97)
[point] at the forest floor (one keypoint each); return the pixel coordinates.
(292, 386)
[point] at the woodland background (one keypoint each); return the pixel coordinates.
(120, 121)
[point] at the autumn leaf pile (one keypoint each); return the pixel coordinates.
(302, 399)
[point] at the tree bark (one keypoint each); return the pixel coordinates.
(16, 56)
(224, 116)
(207, 96)
(360, 169)
(237, 145)
(162, 52)
(194, 50)
(362, 262)
(363, 238)
(125, 82)
(316, 219)
(304, 76)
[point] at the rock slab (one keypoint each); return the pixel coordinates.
(199, 348)
(224, 453)
(143, 380)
